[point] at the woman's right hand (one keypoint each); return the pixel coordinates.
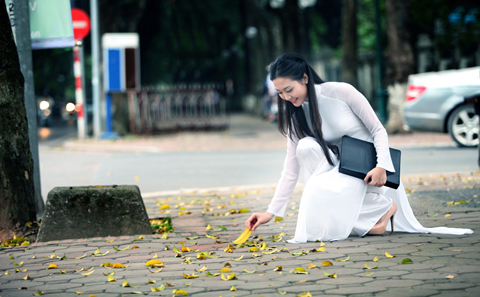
(258, 219)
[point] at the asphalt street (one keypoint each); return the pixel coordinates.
(163, 171)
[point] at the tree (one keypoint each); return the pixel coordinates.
(401, 61)
(349, 42)
(17, 198)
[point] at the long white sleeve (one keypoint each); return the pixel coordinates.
(287, 181)
(361, 107)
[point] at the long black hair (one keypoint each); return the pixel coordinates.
(291, 119)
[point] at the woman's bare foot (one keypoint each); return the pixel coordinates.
(381, 225)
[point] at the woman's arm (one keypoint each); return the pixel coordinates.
(287, 181)
(364, 111)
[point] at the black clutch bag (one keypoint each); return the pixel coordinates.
(358, 157)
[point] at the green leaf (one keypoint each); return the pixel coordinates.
(407, 260)
(209, 274)
(124, 249)
(222, 228)
(433, 215)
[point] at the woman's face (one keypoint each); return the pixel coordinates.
(292, 90)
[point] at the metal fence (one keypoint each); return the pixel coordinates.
(184, 107)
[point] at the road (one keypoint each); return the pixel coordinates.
(164, 171)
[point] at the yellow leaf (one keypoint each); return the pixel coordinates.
(253, 249)
(348, 257)
(310, 266)
(233, 288)
(209, 227)
(304, 294)
(326, 263)
(51, 266)
(183, 292)
(368, 274)
(139, 238)
(164, 236)
(29, 224)
(7, 273)
(81, 257)
(124, 249)
(111, 278)
(448, 215)
(243, 237)
(247, 271)
(202, 269)
(25, 243)
(27, 277)
(106, 264)
(135, 247)
(118, 265)
(225, 269)
(155, 263)
(153, 289)
(368, 267)
(279, 268)
(62, 271)
(322, 244)
(110, 241)
(278, 219)
(375, 259)
(188, 276)
(126, 284)
(156, 271)
(155, 257)
(78, 292)
(185, 249)
(229, 277)
(449, 276)
(88, 273)
(238, 259)
(151, 281)
(38, 293)
(298, 270)
(269, 253)
(282, 293)
(243, 210)
(255, 256)
(389, 256)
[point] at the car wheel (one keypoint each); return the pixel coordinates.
(463, 126)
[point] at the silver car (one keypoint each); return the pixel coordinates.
(435, 102)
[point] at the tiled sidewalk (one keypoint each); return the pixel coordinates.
(442, 265)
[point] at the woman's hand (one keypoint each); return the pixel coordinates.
(376, 177)
(258, 219)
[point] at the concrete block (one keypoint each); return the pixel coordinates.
(96, 211)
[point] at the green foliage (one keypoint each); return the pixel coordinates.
(366, 24)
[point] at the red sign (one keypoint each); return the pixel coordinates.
(81, 23)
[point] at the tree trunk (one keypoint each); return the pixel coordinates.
(17, 197)
(400, 60)
(349, 42)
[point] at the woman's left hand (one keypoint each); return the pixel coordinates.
(376, 177)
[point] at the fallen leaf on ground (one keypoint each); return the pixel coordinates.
(390, 256)
(348, 257)
(304, 294)
(229, 276)
(52, 266)
(183, 292)
(368, 267)
(334, 275)
(368, 274)
(311, 265)
(156, 271)
(155, 263)
(448, 215)
(375, 259)
(124, 249)
(407, 260)
(87, 273)
(247, 271)
(298, 270)
(233, 288)
(188, 276)
(202, 269)
(238, 259)
(126, 284)
(326, 263)
(449, 276)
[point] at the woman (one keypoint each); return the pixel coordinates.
(314, 115)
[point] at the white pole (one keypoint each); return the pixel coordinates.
(95, 68)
